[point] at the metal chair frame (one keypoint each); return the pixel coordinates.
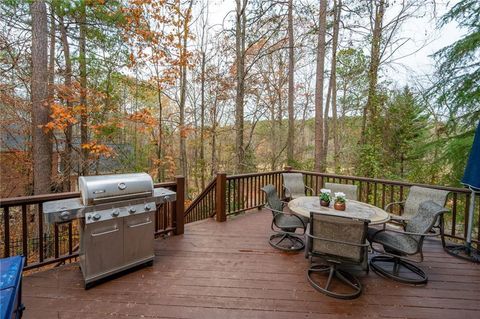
(351, 191)
(401, 220)
(283, 233)
(290, 191)
(332, 263)
(399, 259)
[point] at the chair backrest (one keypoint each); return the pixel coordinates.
(294, 185)
(350, 191)
(273, 201)
(341, 237)
(418, 195)
(426, 217)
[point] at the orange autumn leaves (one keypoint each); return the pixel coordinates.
(145, 118)
(96, 149)
(62, 118)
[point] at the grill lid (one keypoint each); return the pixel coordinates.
(109, 188)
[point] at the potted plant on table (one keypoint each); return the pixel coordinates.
(340, 200)
(325, 197)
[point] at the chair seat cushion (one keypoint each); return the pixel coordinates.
(288, 221)
(393, 242)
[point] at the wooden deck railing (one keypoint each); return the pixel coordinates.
(23, 231)
(242, 192)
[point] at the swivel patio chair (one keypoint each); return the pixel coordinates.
(336, 240)
(394, 261)
(283, 224)
(409, 207)
(294, 185)
(350, 191)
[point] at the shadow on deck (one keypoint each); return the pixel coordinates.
(228, 270)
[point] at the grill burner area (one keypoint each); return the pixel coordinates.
(116, 214)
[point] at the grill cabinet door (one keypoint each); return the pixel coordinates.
(139, 236)
(103, 247)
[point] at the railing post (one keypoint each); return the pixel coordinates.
(220, 200)
(180, 205)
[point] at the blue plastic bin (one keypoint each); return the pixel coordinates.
(11, 287)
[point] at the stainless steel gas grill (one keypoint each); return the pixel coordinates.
(116, 215)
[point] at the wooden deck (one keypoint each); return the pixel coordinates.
(228, 270)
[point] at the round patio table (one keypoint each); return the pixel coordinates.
(306, 204)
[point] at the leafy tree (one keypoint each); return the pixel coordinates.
(458, 65)
(458, 84)
(406, 132)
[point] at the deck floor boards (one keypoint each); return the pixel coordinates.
(228, 270)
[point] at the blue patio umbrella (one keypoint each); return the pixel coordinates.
(471, 176)
(471, 179)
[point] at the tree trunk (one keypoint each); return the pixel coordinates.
(202, 107)
(42, 144)
(183, 88)
(160, 169)
(160, 164)
(83, 88)
(369, 110)
(325, 123)
(319, 165)
(51, 58)
(291, 87)
(67, 158)
(240, 92)
(51, 80)
(337, 11)
(214, 137)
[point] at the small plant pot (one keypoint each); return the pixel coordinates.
(324, 203)
(339, 206)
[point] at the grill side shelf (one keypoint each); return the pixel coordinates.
(63, 210)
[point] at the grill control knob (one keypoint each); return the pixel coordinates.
(65, 215)
(115, 213)
(148, 207)
(96, 216)
(132, 210)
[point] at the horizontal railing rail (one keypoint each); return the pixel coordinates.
(24, 232)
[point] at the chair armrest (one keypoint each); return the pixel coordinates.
(277, 213)
(287, 191)
(410, 233)
(394, 203)
(310, 189)
(402, 232)
(399, 219)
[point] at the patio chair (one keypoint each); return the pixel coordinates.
(409, 207)
(336, 240)
(294, 185)
(350, 191)
(283, 224)
(398, 245)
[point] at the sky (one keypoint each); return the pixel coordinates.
(413, 61)
(415, 58)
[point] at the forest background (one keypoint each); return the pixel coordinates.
(181, 87)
